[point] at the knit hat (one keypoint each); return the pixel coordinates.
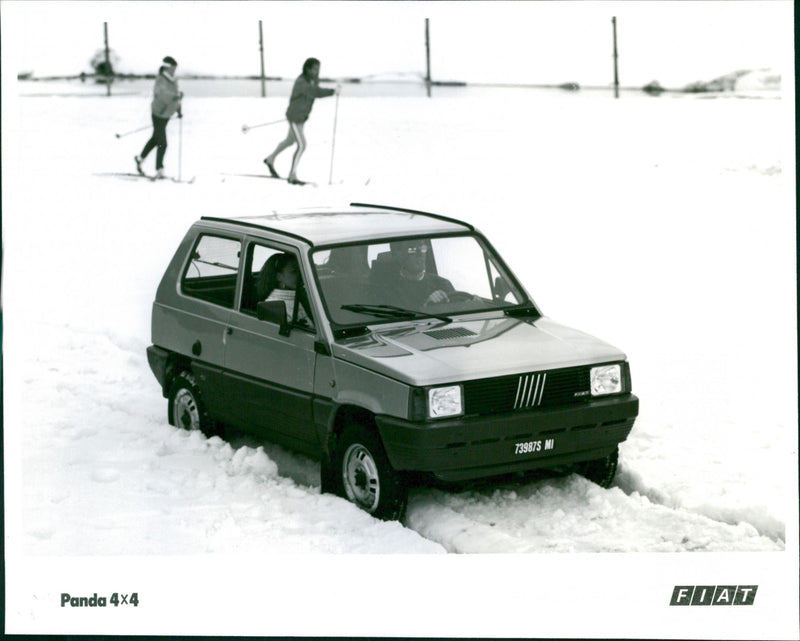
(170, 61)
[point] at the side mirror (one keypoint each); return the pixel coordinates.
(273, 311)
(501, 288)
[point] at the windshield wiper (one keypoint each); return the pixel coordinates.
(524, 309)
(390, 311)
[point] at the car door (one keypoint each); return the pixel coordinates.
(269, 377)
(198, 322)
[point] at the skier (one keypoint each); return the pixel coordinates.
(166, 102)
(306, 89)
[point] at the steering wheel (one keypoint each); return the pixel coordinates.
(459, 296)
(453, 297)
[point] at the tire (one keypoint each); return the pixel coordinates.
(186, 408)
(365, 477)
(602, 470)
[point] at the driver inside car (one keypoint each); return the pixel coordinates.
(409, 284)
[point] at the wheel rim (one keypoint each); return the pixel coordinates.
(186, 412)
(361, 480)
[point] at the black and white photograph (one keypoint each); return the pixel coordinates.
(400, 319)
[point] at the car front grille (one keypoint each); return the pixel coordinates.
(535, 390)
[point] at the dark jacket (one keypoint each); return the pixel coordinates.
(410, 294)
(304, 93)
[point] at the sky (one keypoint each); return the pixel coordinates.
(675, 43)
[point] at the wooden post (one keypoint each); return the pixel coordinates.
(108, 62)
(261, 50)
(428, 56)
(616, 73)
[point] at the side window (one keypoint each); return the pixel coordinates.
(274, 274)
(212, 269)
(255, 276)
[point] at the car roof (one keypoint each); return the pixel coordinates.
(352, 223)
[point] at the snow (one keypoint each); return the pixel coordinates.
(665, 226)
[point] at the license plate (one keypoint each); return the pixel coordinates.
(534, 447)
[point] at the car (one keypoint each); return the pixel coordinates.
(395, 346)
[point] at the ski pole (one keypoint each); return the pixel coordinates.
(333, 142)
(246, 128)
(180, 146)
(132, 131)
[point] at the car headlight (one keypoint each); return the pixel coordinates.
(606, 379)
(445, 401)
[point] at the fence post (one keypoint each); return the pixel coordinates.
(616, 74)
(108, 62)
(428, 56)
(261, 50)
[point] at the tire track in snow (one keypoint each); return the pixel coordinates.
(559, 515)
(568, 514)
(766, 525)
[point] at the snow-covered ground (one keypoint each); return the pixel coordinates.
(665, 226)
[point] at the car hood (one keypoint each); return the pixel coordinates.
(432, 353)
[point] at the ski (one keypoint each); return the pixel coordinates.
(299, 183)
(128, 175)
(135, 176)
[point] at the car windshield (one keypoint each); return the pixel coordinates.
(429, 277)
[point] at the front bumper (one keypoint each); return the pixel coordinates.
(480, 446)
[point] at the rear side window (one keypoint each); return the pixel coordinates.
(211, 271)
(262, 282)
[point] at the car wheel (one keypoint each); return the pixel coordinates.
(602, 470)
(186, 408)
(365, 475)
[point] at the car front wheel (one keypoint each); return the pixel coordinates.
(602, 470)
(365, 475)
(186, 409)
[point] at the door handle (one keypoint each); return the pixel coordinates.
(227, 332)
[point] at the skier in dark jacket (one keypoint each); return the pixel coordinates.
(306, 89)
(166, 101)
